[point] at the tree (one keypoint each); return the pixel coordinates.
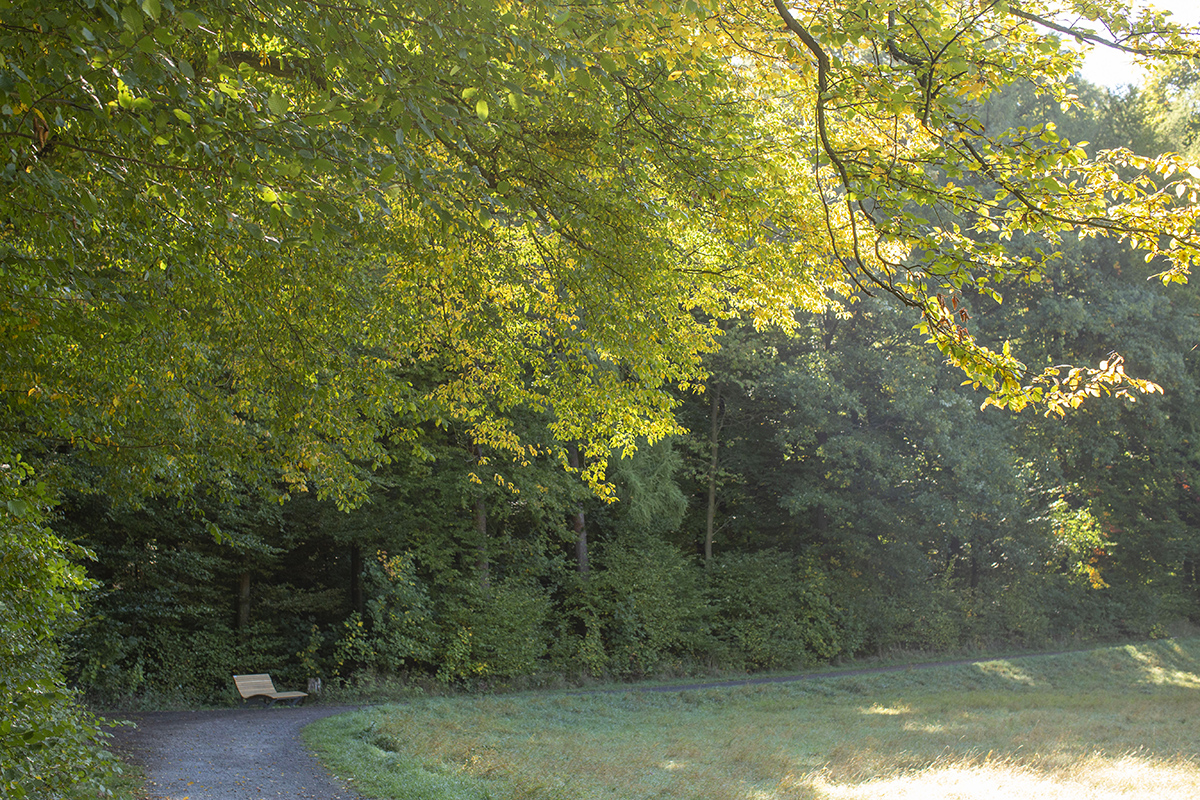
(1171, 104)
(1116, 475)
(230, 234)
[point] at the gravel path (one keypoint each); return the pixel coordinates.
(244, 754)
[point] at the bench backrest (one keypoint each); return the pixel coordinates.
(251, 685)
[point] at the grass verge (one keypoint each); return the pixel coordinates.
(1114, 723)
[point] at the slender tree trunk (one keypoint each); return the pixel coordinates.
(579, 523)
(357, 602)
(581, 542)
(820, 515)
(714, 443)
(243, 607)
(481, 555)
(481, 529)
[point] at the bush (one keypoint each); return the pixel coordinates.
(930, 616)
(106, 662)
(1014, 612)
(50, 747)
(196, 666)
(494, 631)
(397, 631)
(770, 609)
(642, 605)
(399, 614)
(510, 633)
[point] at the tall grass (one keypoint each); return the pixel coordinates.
(1112, 723)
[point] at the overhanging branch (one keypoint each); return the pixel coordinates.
(1095, 38)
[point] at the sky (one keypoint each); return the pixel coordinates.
(1112, 68)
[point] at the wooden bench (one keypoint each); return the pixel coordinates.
(252, 686)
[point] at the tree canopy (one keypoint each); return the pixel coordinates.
(232, 232)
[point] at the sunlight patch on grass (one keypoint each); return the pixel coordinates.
(1142, 777)
(1008, 671)
(954, 782)
(1093, 778)
(1172, 677)
(1160, 674)
(926, 727)
(888, 711)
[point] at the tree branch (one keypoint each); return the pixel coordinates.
(835, 159)
(1093, 37)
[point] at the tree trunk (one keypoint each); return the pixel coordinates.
(481, 530)
(714, 442)
(243, 606)
(481, 555)
(820, 514)
(581, 543)
(356, 585)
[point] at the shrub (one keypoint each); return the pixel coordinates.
(399, 614)
(397, 631)
(510, 633)
(195, 666)
(50, 747)
(640, 606)
(772, 610)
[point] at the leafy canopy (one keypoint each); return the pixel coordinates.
(231, 231)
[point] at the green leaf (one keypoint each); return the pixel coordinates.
(481, 109)
(133, 20)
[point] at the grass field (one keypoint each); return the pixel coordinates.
(1118, 722)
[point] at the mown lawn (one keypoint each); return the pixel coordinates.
(1118, 722)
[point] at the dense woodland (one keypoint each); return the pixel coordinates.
(837, 491)
(484, 342)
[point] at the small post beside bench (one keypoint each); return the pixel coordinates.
(261, 685)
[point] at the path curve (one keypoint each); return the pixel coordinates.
(240, 754)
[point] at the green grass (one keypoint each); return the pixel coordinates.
(1116, 722)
